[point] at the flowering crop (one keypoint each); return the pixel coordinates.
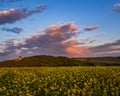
(60, 81)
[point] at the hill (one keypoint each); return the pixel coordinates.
(52, 61)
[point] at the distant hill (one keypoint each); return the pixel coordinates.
(106, 61)
(52, 61)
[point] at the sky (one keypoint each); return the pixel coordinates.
(72, 28)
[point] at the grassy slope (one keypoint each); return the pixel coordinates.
(51, 61)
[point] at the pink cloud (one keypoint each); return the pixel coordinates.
(30, 37)
(50, 42)
(74, 50)
(13, 15)
(90, 28)
(55, 30)
(1, 44)
(73, 47)
(117, 5)
(62, 42)
(19, 43)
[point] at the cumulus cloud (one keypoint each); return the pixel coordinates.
(13, 15)
(90, 28)
(57, 40)
(74, 47)
(16, 30)
(54, 40)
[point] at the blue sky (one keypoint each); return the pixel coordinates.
(98, 23)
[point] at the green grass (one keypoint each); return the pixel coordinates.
(60, 81)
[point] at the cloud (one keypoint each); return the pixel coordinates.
(54, 40)
(105, 49)
(57, 40)
(16, 30)
(74, 47)
(117, 5)
(88, 40)
(117, 8)
(73, 50)
(90, 28)
(13, 15)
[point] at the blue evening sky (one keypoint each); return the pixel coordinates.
(83, 13)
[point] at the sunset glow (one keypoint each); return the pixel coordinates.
(73, 28)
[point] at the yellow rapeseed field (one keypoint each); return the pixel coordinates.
(60, 81)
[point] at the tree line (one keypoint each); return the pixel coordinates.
(53, 61)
